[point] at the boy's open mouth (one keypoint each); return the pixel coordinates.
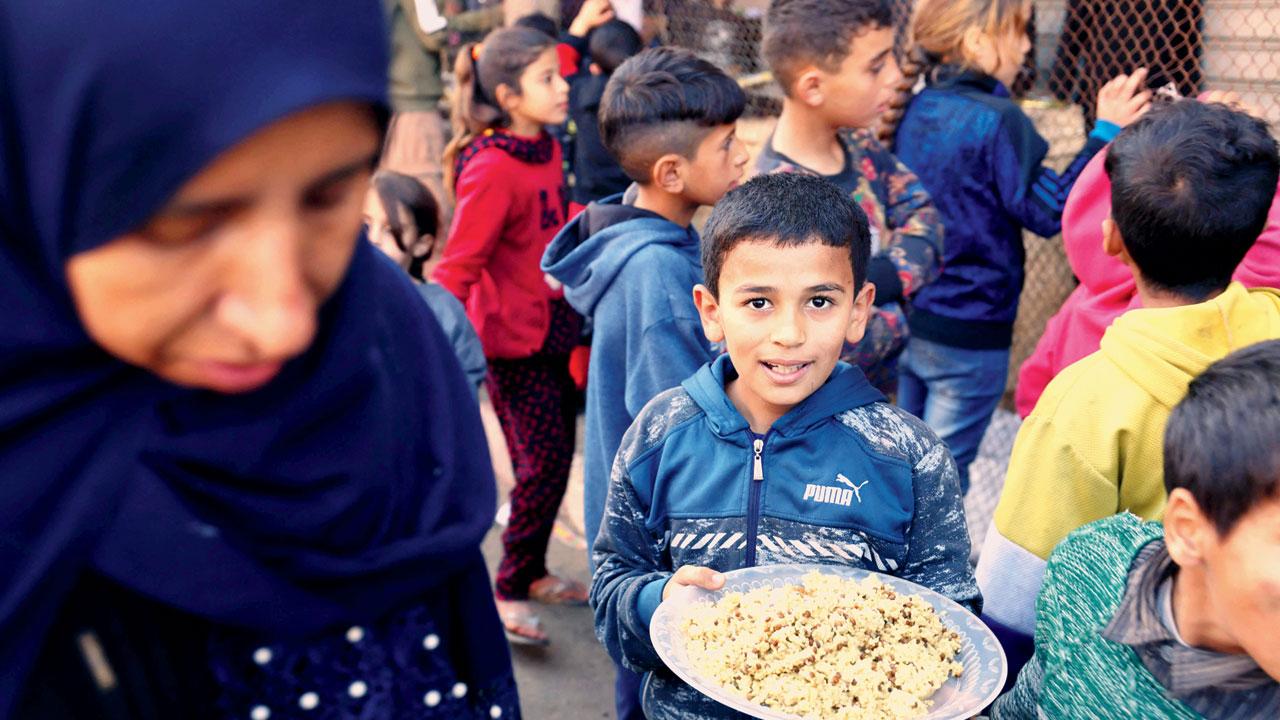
(785, 373)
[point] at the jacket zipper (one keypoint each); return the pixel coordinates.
(753, 503)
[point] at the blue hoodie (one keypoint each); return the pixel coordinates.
(843, 478)
(632, 272)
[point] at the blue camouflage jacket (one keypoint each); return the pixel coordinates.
(843, 478)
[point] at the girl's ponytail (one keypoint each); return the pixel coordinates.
(936, 37)
(500, 59)
(469, 116)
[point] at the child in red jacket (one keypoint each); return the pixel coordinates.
(507, 178)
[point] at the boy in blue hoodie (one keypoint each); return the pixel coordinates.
(776, 452)
(630, 265)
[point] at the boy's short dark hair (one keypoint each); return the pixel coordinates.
(540, 22)
(611, 44)
(798, 33)
(787, 209)
(1191, 185)
(661, 101)
(1222, 442)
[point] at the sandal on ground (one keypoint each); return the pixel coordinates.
(552, 590)
(522, 626)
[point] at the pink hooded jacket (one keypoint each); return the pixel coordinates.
(1106, 288)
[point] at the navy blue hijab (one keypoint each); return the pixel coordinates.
(356, 481)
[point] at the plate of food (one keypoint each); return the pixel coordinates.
(788, 642)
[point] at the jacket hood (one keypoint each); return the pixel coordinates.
(846, 389)
(588, 253)
(1087, 206)
(1162, 349)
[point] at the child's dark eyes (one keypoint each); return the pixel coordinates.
(821, 302)
(758, 304)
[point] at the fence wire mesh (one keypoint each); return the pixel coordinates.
(1192, 45)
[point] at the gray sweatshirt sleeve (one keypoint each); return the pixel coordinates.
(631, 569)
(938, 542)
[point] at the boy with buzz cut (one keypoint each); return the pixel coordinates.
(630, 265)
(1175, 620)
(775, 452)
(836, 67)
(1191, 186)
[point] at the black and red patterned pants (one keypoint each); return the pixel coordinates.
(536, 402)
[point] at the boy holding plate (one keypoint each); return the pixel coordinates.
(775, 452)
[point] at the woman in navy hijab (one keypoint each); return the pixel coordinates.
(241, 474)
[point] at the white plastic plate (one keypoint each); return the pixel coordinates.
(985, 666)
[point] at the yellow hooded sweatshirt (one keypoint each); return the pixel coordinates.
(1094, 445)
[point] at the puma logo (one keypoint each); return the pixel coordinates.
(857, 489)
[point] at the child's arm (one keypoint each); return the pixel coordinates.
(938, 544)
(631, 573)
(478, 221)
(1022, 702)
(1051, 489)
(573, 44)
(1032, 193)
(462, 336)
(1035, 194)
(911, 257)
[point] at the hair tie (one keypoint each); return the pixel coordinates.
(478, 89)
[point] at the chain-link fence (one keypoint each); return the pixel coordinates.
(1189, 45)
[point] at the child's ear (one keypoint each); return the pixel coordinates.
(978, 48)
(1188, 533)
(423, 247)
(862, 304)
(594, 69)
(668, 173)
(809, 88)
(1113, 242)
(508, 99)
(709, 312)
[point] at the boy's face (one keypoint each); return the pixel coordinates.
(716, 166)
(859, 92)
(784, 314)
(1242, 574)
